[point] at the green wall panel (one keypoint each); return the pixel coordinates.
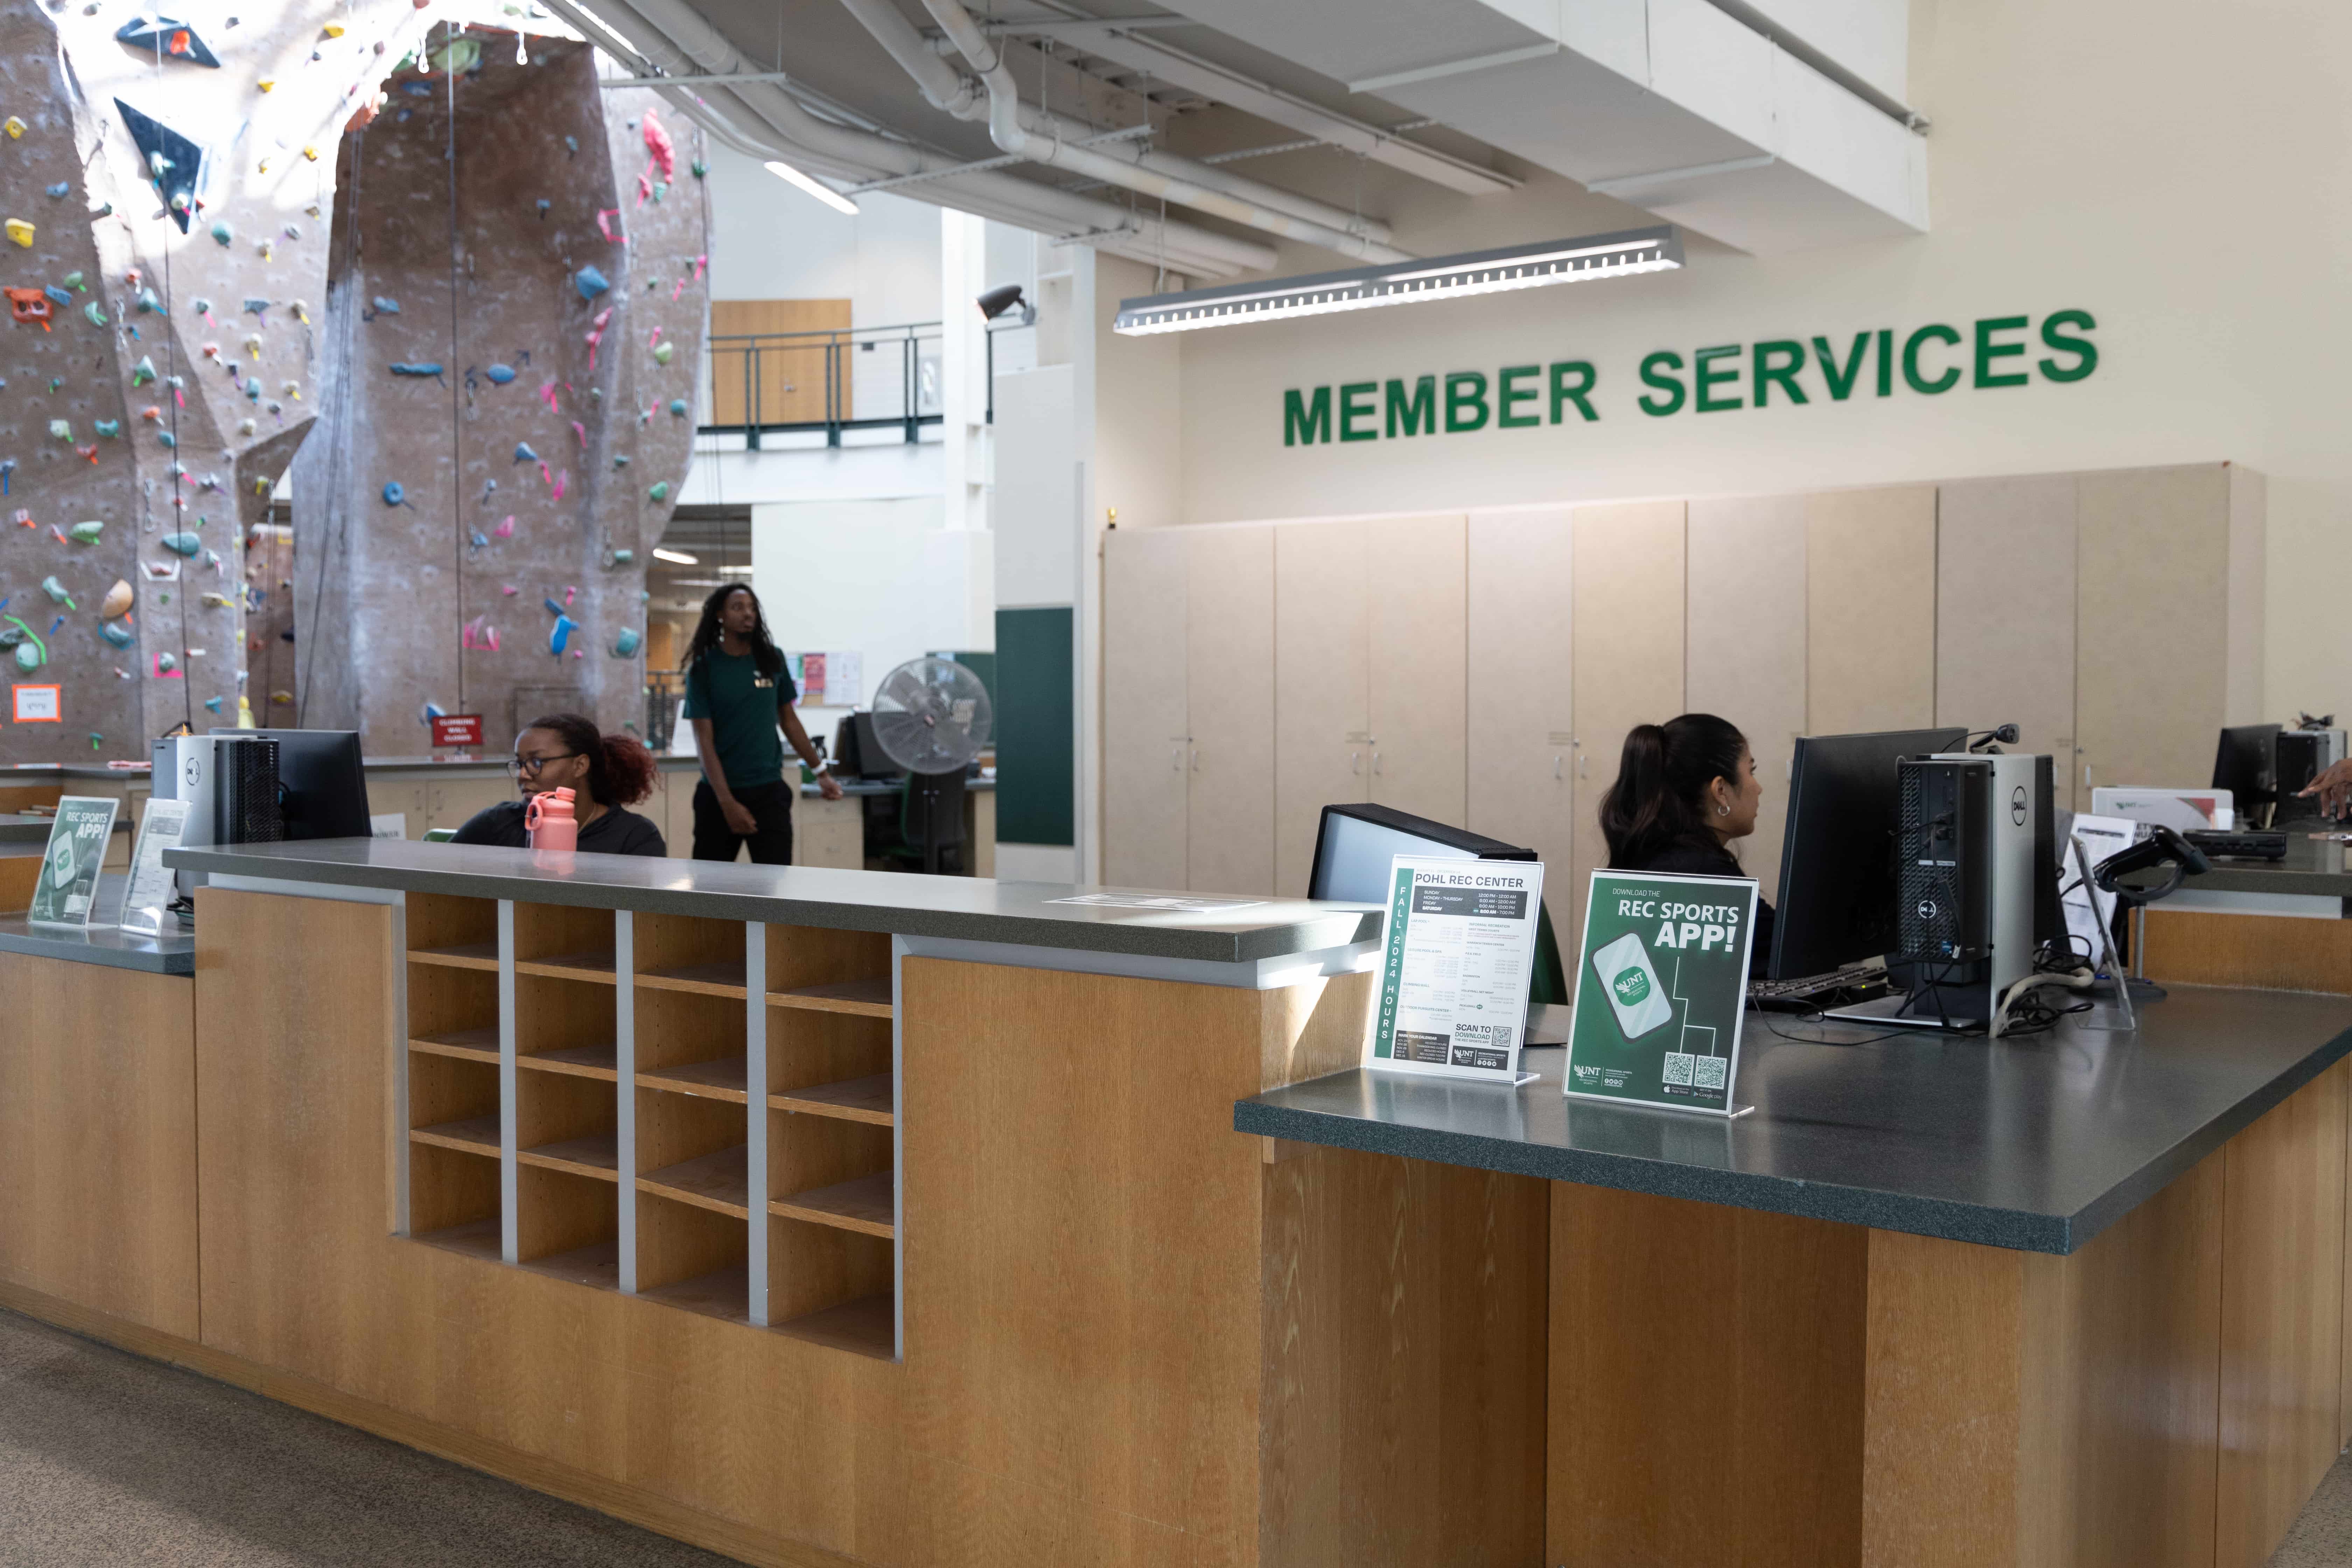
(1037, 714)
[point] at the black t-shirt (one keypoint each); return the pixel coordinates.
(617, 832)
(1714, 860)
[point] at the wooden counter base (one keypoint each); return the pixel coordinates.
(1729, 1385)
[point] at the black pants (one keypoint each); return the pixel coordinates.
(770, 805)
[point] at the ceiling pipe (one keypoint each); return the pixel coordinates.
(1004, 128)
(761, 120)
(949, 91)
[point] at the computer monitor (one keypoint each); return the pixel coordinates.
(321, 782)
(2246, 765)
(1356, 842)
(1837, 856)
(856, 753)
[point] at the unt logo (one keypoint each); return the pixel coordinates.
(1633, 987)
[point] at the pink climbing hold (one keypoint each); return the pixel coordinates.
(570, 593)
(657, 143)
(581, 431)
(644, 191)
(548, 392)
(506, 530)
(594, 337)
(547, 473)
(651, 341)
(604, 228)
(562, 480)
(508, 589)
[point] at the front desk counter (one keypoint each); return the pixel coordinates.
(2073, 1298)
(815, 1216)
(2260, 922)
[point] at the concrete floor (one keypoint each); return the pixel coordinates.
(106, 1459)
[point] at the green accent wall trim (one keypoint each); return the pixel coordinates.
(1036, 691)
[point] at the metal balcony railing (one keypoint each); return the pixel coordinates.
(859, 378)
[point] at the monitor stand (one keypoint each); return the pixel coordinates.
(1893, 1011)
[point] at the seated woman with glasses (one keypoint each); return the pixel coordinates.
(605, 774)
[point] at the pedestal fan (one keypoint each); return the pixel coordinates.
(932, 717)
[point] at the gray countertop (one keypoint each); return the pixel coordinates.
(2310, 867)
(2036, 1143)
(970, 909)
(175, 952)
(20, 829)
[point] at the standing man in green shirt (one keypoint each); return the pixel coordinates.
(737, 694)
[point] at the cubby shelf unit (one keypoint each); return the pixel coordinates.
(698, 1113)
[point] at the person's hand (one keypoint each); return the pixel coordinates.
(740, 818)
(2333, 787)
(828, 786)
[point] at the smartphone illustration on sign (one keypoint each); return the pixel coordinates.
(1625, 973)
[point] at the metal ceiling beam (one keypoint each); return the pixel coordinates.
(1174, 66)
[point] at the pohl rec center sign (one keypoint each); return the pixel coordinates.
(1996, 352)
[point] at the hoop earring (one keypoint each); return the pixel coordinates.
(1723, 811)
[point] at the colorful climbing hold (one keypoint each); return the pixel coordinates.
(19, 230)
(588, 280)
(660, 491)
(677, 406)
(223, 234)
(15, 128)
(109, 428)
(626, 646)
(212, 704)
(663, 353)
(57, 592)
(182, 544)
(144, 372)
(60, 430)
(500, 375)
(116, 633)
(564, 626)
(523, 453)
(86, 532)
(432, 370)
(95, 314)
(394, 495)
(117, 601)
(58, 296)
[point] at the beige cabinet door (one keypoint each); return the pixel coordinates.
(455, 801)
(829, 833)
(2152, 625)
(1521, 733)
(2005, 614)
(1322, 725)
(1870, 615)
(1229, 686)
(1746, 647)
(1419, 611)
(1144, 735)
(1630, 560)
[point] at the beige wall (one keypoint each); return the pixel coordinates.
(2177, 169)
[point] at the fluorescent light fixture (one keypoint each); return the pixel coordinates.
(676, 557)
(1533, 266)
(823, 192)
(736, 571)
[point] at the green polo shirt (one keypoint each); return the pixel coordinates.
(741, 705)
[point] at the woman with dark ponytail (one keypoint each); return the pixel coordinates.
(1685, 790)
(603, 773)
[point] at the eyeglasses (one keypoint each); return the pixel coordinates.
(521, 765)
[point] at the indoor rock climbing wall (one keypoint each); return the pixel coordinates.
(166, 208)
(505, 420)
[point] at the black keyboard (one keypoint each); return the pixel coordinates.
(1806, 988)
(2247, 845)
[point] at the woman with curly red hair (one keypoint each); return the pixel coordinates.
(604, 773)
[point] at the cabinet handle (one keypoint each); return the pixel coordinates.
(1196, 759)
(1176, 758)
(1376, 763)
(1555, 767)
(1354, 762)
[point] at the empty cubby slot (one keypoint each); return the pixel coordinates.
(830, 1063)
(850, 969)
(692, 1148)
(827, 1171)
(566, 1122)
(454, 1012)
(453, 1199)
(692, 1258)
(563, 940)
(832, 1286)
(567, 1226)
(449, 930)
(565, 1025)
(689, 954)
(691, 1043)
(453, 1103)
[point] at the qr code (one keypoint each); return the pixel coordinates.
(1678, 1067)
(1710, 1073)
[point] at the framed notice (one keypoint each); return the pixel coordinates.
(147, 902)
(1661, 991)
(68, 883)
(39, 704)
(1454, 978)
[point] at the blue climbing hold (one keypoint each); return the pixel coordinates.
(61, 188)
(564, 626)
(182, 543)
(523, 453)
(479, 540)
(384, 306)
(543, 205)
(500, 375)
(590, 282)
(168, 439)
(432, 370)
(117, 633)
(212, 704)
(393, 494)
(677, 406)
(552, 607)
(58, 295)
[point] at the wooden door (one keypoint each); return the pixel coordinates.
(1419, 687)
(757, 376)
(1144, 733)
(1229, 660)
(2005, 614)
(1629, 568)
(2152, 625)
(1870, 618)
(1521, 731)
(1746, 645)
(1322, 725)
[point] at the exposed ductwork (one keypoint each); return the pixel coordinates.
(1211, 191)
(763, 119)
(1051, 138)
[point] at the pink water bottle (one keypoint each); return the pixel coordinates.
(548, 821)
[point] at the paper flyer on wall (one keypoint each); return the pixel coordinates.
(147, 902)
(1661, 990)
(68, 883)
(1454, 979)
